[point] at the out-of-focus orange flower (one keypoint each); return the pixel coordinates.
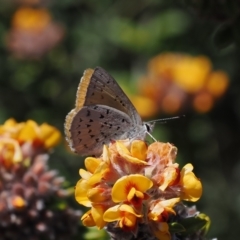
(203, 102)
(145, 106)
(27, 186)
(190, 73)
(18, 202)
(33, 32)
(31, 19)
(217, 83)
(17, 138)
(174, 81)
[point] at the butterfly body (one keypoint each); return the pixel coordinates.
(102, 113)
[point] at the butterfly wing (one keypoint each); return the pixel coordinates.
(98, 87)
(93, 126)
(114, 118)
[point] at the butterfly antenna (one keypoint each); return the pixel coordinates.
(163, 120)
(151, 136)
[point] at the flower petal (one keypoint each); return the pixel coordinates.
(123, 186)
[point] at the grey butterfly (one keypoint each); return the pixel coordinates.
(102, 113)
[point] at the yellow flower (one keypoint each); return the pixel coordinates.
(10, 151)
(131, 188)
(191, 73)
(44, 134)
(81, 191)
(145, 106)
(39, 135)
(97, 214)
(136, 155)
(124, 214)
(87, 219)
(161, 231)
(159, 207)
(11, 128)
(135, 185)
(94, 217)
(191, 186)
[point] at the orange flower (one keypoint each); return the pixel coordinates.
(135, 185)
(179, 79)
(31, 19)
(33, 33)
(124, 214)
(145, 106)
(217, 83)
(203, 102)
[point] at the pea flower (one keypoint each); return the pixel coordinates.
(135, 190)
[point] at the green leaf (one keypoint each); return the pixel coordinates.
(194, 224)
(176, 227)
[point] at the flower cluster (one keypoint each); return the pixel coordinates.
(28, 188)
(177, 81)
(136, 190)
(33, 32)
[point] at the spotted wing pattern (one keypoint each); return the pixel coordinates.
(102, 113)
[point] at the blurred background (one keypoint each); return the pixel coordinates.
(172, 58)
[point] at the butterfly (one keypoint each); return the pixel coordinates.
(102, 113)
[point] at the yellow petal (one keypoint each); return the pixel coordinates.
(162, 233)
(81, 190)
(123, 151)
(49, 135)
(97, 195)
(97, 213)
(192, 186)
(123, 185)
(29, 132)
(88, 220)
(169, 175)
(139, 149)
(84, 174)
(114, 213)
(106, 154)
(92, 164)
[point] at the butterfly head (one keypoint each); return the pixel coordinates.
(149, 126)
